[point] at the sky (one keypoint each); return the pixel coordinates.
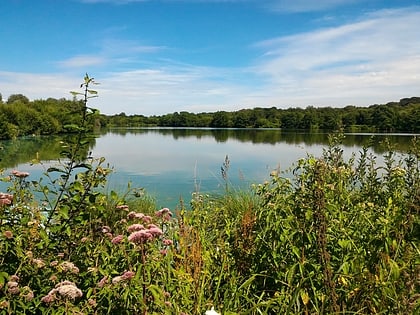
(154, 57)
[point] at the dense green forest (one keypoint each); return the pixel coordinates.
(21, 117)
(402, 116)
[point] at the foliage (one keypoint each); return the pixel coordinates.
(21, 117)
(333, 237)
(403, 116)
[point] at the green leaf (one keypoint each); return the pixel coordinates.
(54, 169)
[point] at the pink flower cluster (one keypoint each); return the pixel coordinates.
(5, 199)
(141, 216)
(20, 174)
(140, 234)
(65, 290)
(13, 285)
(164, 213)
(126, 276)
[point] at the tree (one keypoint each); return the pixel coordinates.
(17, 97)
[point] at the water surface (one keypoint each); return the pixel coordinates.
(173, 163)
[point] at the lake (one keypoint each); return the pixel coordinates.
(173, 163)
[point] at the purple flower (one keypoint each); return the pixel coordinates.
(103, 282)
(162, 212)
(128, 275)
(139, 237)
(122, 207)
(155, 231)
(117, 239)
(147, 219)
(20, 174)
(135, 227)
(167, 242)
(135, 215)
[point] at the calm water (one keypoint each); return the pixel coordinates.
(173, 163)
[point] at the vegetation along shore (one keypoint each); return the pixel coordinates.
(341, 236)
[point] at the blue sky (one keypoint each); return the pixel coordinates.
(164, 56)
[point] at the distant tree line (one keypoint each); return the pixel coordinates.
(402, 116)
(20, 117)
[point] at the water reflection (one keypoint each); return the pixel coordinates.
(173, 163)
(376, 141)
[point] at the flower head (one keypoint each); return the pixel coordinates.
(66, 290)
(20, 174)
(128, 275)
(135, 227)
(164, 213)
(139, 237)
(117, 239)
(8, 234)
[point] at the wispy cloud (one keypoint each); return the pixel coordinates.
(110, 51)
(350, 62)
(295, 6)
(82, 61)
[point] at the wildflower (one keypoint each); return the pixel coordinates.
(65, 290)
(68, 290)
(38, 262)
(92, 302)
(67, 266)
(8, 234)
(20, 174)
(122, 207)
(154, 230)
(109, 235)
(84, 239)
(167, 242)
(212, 312)
(139, 237)
(13, 287)
(53, 278)
(54, 263)
(135, 215)
(128, 275)
(163, 252)
(49, 298)
(135, 227)
(167, 303)
(103, 282)
(117, 239)
(117, 279)
(164, 213)
(14, 278)
(5, 199)
(147, 219)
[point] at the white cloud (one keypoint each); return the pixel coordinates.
(375, 59)
(82, 61)
(294, 6)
